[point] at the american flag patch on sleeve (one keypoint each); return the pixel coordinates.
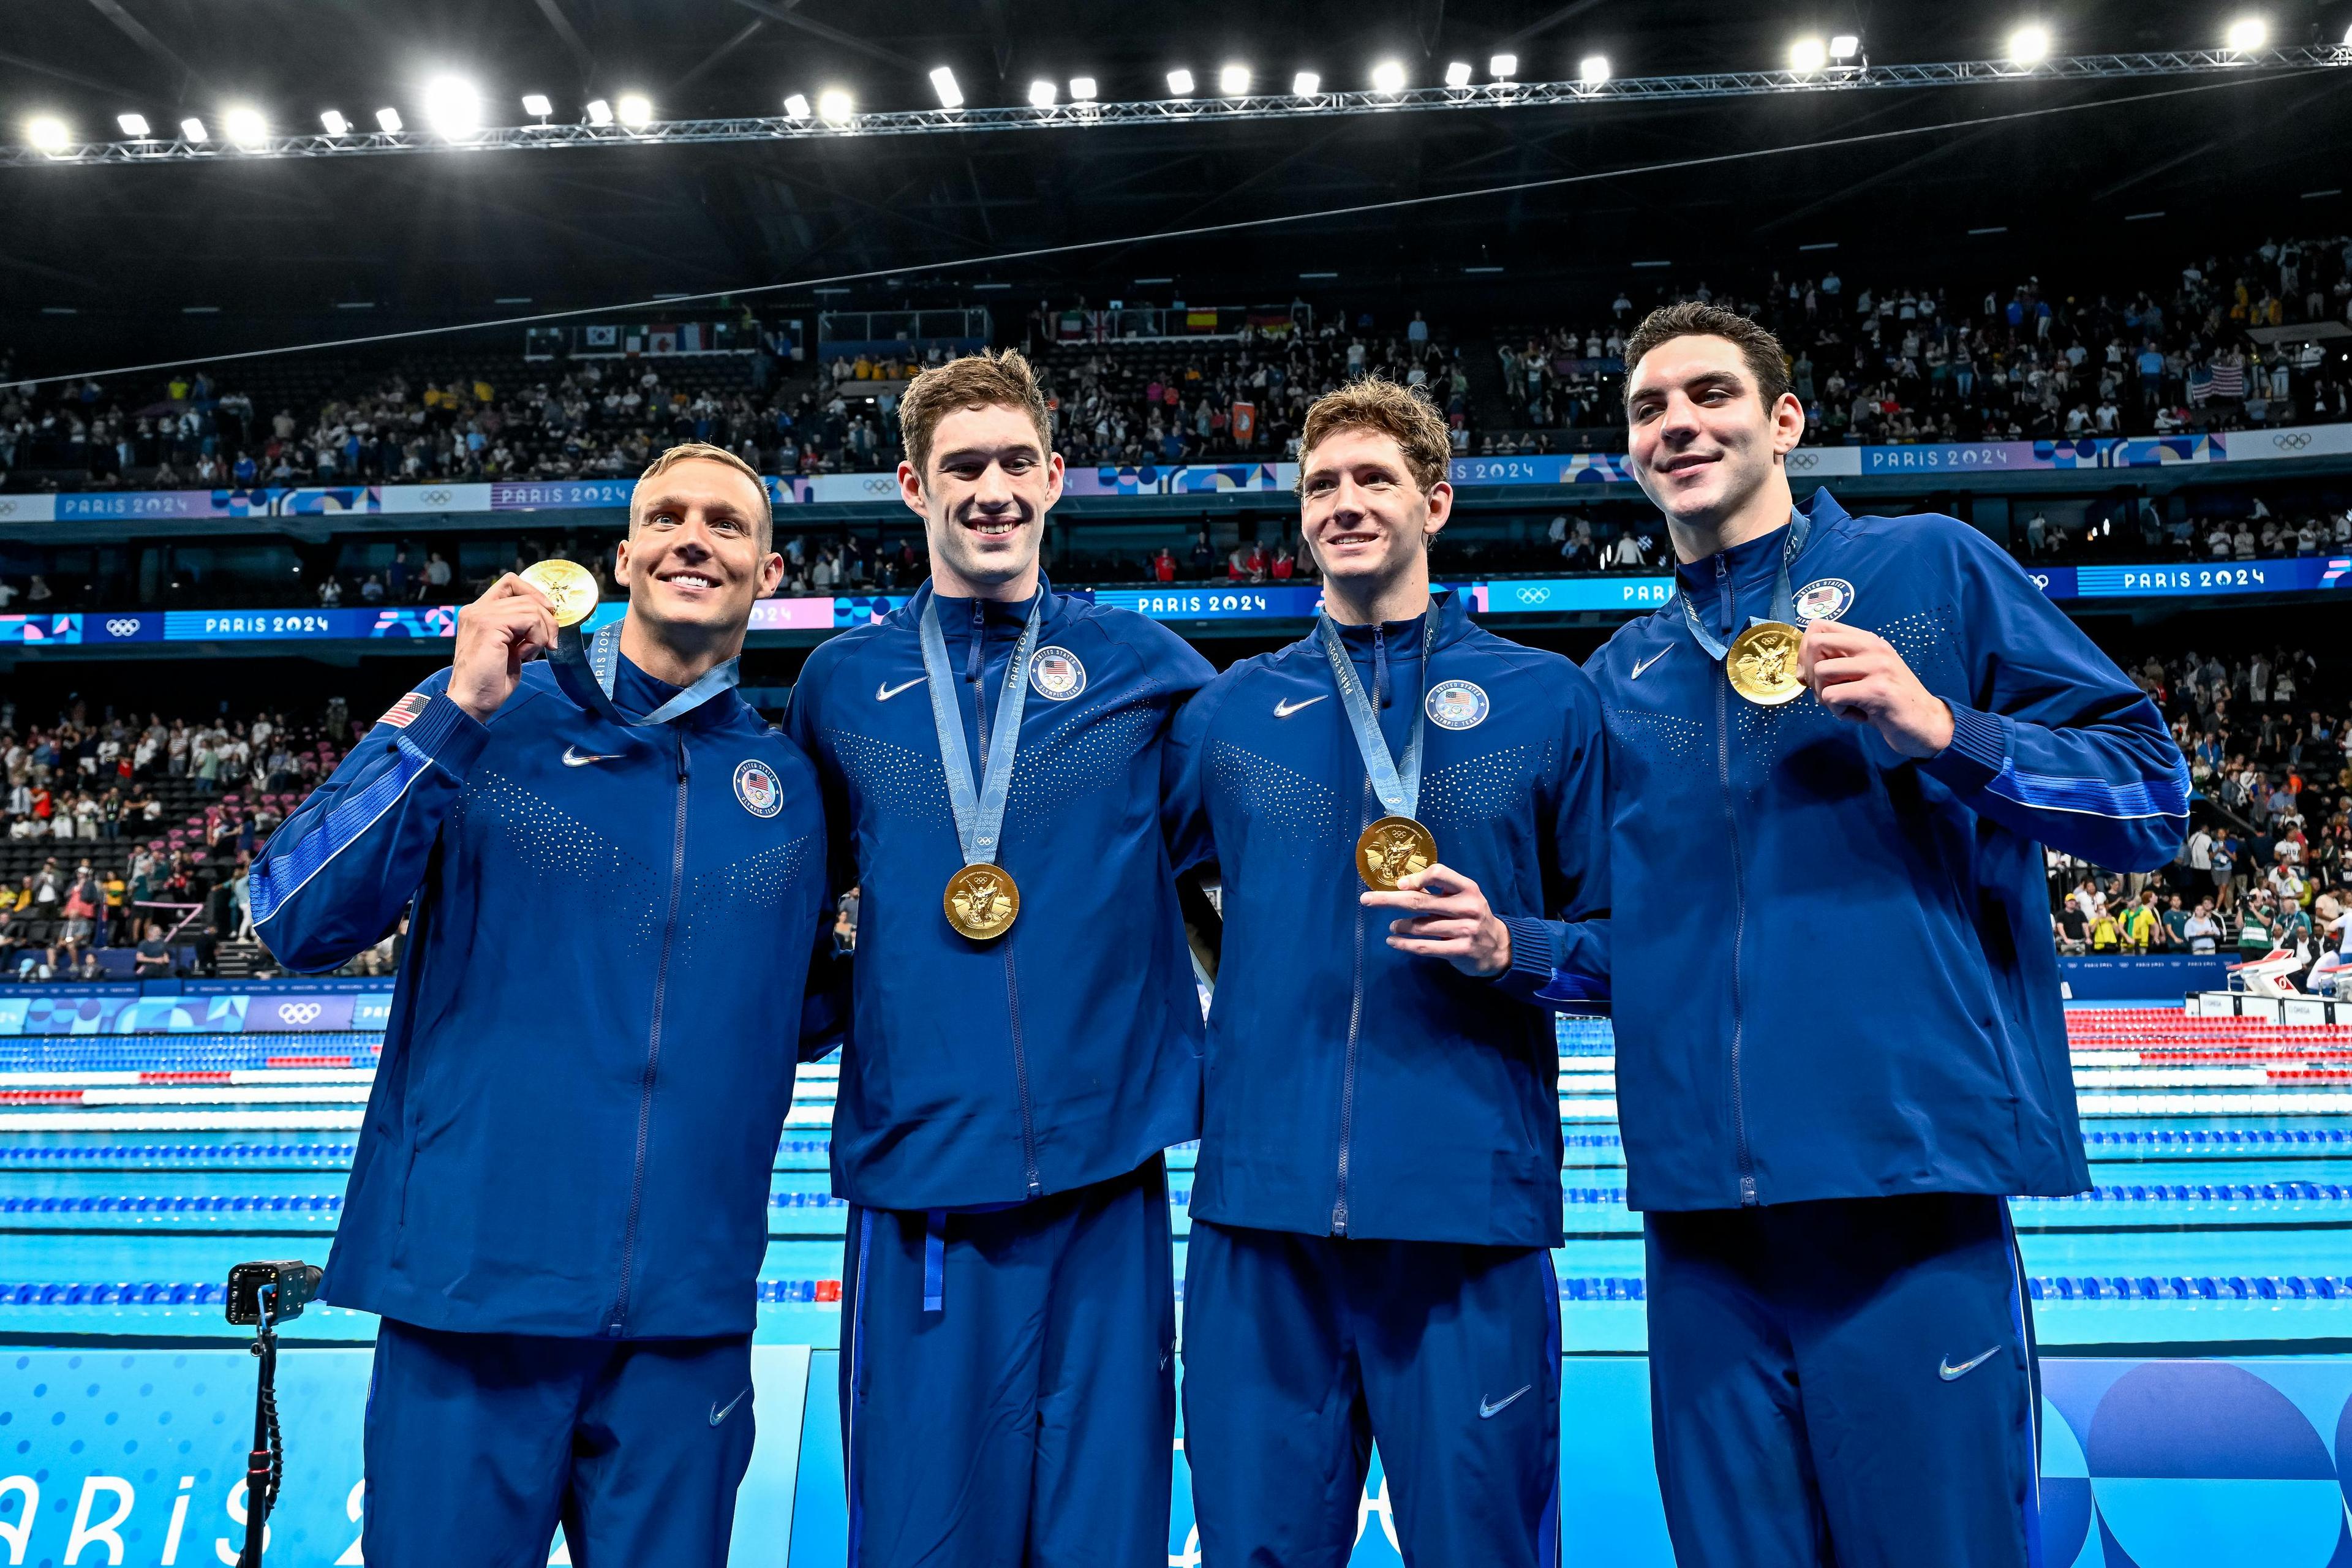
(404, 713)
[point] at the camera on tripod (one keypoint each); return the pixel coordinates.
(289, 1287)
(265, 1295)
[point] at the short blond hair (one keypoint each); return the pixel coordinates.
(972, 381)
(704, 452)
(1378, 404)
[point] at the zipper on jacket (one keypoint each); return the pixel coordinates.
(1739, 908)
(653, 1047)
(976, 669)
(1348, 1071)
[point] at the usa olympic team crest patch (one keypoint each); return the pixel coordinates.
(757, 786)
(1055, 673)
(1457, 704)
(1826, 600)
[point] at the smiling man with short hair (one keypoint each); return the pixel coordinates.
(613, 875)
(1405, 811)
(1834, 759)
(1028, 1030)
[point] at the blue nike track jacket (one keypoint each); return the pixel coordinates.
(1355, 1089)
(593, 1037)
(1067, 1051)
(1833, 973)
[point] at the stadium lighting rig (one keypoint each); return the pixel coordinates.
(454, 109)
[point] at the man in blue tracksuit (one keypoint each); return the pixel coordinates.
(1839, 1034)
(616, 878)
(1377, 1187)
(1028, 1028)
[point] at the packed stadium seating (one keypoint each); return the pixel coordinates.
(2201, 347)
(156, 823)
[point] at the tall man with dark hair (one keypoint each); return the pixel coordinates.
(1402, 809)
(614, 875)
(1835, 760)
(1028, 1029)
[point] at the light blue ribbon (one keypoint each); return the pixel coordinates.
(586, 670)
(1397, 784)
(1784, 601)
(979, 814)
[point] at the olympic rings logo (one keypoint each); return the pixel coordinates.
(2292, 440)
(434, 498)
(298, 1012)
(1799, 457)
(121, 628)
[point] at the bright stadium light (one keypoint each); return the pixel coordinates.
(943, 82)
(1807, 56)
(193, 130)
(1458, 74)
(1389, 76)
(1042, 93)
(834, 107)
(47, 134)
(2248, 34)
(1179, 83)
(1234, 80)
(387, 119)
(453, 108)
(537, 106)
(1593, 70)
(1083, 90)
(132, 125)
(635, 109)
(334, 122)
(599, 112)
(1305, 84)
(1844, 47)
(1503, 68)
(796, 107)
(245, 126)
(2029, 44)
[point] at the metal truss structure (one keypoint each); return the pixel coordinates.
(1206, 109)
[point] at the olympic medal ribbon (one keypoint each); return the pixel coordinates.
(1397, 845)
(1761, 661)
(587, 667)
(981, 897)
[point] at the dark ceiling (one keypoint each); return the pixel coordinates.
(275, 245)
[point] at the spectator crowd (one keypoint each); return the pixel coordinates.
(2200, 347)
(121, 834)
(2267, 862)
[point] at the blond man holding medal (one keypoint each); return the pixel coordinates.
(613, 871)
(1027, 1036)
(1406, 814)
(1834, 759)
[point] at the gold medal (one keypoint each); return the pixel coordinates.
(569, 587)
(1392, 848)
(982, 901)
(1762, 664)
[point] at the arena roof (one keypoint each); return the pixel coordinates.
(451, 235)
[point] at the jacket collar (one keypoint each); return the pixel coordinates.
(1050, 605)
(1758, 558)
(1450, 606)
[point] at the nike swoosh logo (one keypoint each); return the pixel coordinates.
(1949, 1372)
(717, 1414)
(883, 693)
(574, 757)
(1649, 661)
(1286, 709)
(1489, 1412)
